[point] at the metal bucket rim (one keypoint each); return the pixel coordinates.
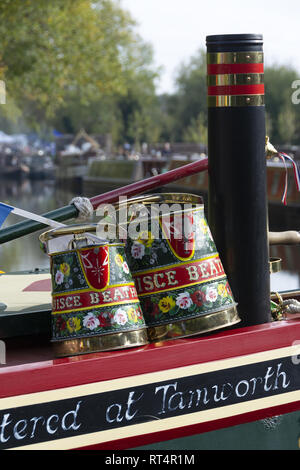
(75, 229)
(97, 335)
(145, 200)
(87, 247)
(163, 197)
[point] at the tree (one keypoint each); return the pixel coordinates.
(186, 110)
(196, 131)
(68, 56)
(192, 94)
(188, 105)
(280, 109)
(286, 123)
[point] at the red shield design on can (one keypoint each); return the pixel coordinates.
(95, 264)
(178, 229)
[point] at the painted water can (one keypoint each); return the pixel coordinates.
(95, 303)
(179, 277)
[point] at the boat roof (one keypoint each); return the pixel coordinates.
(25, 292)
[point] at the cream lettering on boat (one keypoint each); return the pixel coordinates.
(84, 300)
(181, 275)
(236, 388)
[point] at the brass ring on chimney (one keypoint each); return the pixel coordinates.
(235, 100)
(255, 57)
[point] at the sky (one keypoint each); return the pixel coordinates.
(177, 29)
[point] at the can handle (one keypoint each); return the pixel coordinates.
(72, 243)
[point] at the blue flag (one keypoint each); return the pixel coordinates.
(5, 210)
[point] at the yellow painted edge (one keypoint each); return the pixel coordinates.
(91, 307)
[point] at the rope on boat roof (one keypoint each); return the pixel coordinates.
(84, 207)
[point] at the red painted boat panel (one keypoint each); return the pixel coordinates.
(39, 286)
(109, 382)
(27, 371)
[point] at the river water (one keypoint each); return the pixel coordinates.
(38, 197)
(43, 196)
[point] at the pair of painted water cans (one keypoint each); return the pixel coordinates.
(152, 277)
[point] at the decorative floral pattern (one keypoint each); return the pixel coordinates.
(184, 300)
(132, 315)
(119, 260)
(198, 298)
(68, 275)
(65, 269)
(146, 252)
(59, 277)
(211, 294)
(97, 322)
(187, 303)
(125, 267)
(146, 238)
(138, 250)
(166, 304)
(73, 324)
(120, 317)
(90, 321)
